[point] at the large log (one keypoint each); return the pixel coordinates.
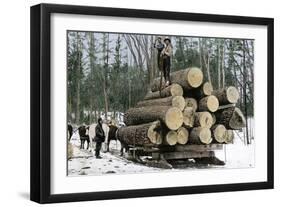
(182, 135)
(229, 136)
(171, 138)
(188, 117)
(191, 102)
(175, 101)
(203, 119)
(227, 95)
(171, 116)
(188, 78)
(218, 133)
(200, 135)
(205, 89)
(171, 90)
(231, 118)
(208, 103)
(144, 134)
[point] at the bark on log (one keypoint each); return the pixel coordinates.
(200, 135)
(218, 133)
(229, 136)
(205, 89)
(182, 135)
(188, 78)
(208, 103)
(175, 101)
(231, 118)
(144, 134)
(172, 90)
(227, 95)
(191, 102)
(203, 119)
(188, 117)
(214, 118)
(171, 116)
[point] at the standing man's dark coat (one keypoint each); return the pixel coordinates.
(99, 138)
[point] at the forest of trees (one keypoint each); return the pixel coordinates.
(110, 72)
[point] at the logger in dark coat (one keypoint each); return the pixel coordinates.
(166, 54)
(99, 138)
(159, 45)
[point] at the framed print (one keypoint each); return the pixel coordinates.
(133, 103)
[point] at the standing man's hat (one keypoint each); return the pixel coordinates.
(167, 38)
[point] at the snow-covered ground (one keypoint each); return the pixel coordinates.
(83, 162)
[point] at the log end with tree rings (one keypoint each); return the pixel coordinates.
(179, 102)
(237, 120)
(232, 94)
(194, 77)
(176, 90)
(191, 102)
(219, 133)
(171, 138)
(212, 103)
(174, 118)
(205, 136)
(229, 136)
(182, 135)
(188, 117)
(208, 103)
(200, 135)
(154, 133)
(207, 88)
(203, 119)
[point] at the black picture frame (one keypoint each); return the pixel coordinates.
(41, 95)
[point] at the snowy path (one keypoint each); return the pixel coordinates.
(111, 162)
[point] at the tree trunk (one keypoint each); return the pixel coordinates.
(200, 135)
(208, 103)
(77, 116)
(144, 134)
(245, 79)
(203, 119)
(218, 64)
(227, 95)
(218, 133)
(191, 102)
(188, 117)
(175, 101)
(172, 90)
(231, 118)
(189, 78)
(222, 64)
(182, 135)
(171, 116)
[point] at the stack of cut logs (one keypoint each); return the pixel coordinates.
(188, 111)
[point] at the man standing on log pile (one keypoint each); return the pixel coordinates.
(159, 45)
(164, 58)
(166, 54)
(99, 138)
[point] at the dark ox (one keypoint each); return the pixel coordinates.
(84, 136)
(112, 135)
